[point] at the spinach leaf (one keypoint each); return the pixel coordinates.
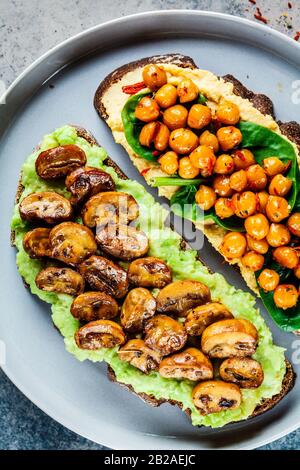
(183, 203)
(201, 99)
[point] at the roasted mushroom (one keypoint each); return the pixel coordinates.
(100, 334)
(139, 355)
(138, 307)
(47, 206)
(229, 338)
(189, 364)
(180, 296)
(149, 272)
(72, 243)
(214, 396)
(110, 207)
(36, 242)
(59, 161)
(122, 241)
(164, 334)
(104, 275)
(91, 306)
(86, 182)
(200, 317)
(60, 280)
(244, 371)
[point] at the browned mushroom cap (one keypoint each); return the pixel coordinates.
(104, 275)
(110, 207)
(91, 306)
(122, 241)
(100, 334)
(60, 280)
(36, 242)
(189, 364)
(214, 396)
(229, 338)
(180, 296)
(244, 371)
(47, 206)
(88, 181)
(149, 272)
(138, 307)
(139, 355)
(164, 334)
(200, 317)
(59, 161)
(72, 243)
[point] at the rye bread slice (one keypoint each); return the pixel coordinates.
(266, 405)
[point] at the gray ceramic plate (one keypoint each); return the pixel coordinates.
(59, 89)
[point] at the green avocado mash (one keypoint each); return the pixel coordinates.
(165, 244)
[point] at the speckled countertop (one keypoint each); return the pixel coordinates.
(28, 28)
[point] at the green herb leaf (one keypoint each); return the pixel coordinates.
(201, 99)
(174, 181)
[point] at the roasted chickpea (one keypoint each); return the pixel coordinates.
(147, 133)
(183, 141)
(149, 272)
(36, 242)
(277, 208)
(233, 245)
(164, 334)
(286, 256)
(229, 137)
(221, 185)
(180, 296)
(60, 280)
(278, 235)
(204, 159)
(147, 110)
(262, 199)
(273, 166)
(205, 197)
(228, 113)
(243, 159)
(209, 140)
(238, 181)
(187, 90)
(199, 116)
(166, 96)
(169, 162)
(186, 169)
(154, 76)
(100, 334)
(280, 186)
(139, 355)
(268, 280)
(138, 307)
(91, 306)
(189, 364)
(122, 241)
(257, 226)
(259, 246)
(293, 224)
(286, 296)
(224, 165)
(214, 396)
(244, 204)
(297, 271)
(253, 261)
(243, 371)
(223, 208)
(256, 177)
(161, 138)
(175, 117)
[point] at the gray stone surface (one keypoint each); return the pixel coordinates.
(28, 28)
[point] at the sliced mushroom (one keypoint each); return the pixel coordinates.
(244, 371)
(100, 334)
(139, 355)
(138, 307)
(149, 272)
(229, 338)
(91, 306)
(60, 280)
(200, 317)
(110, 207)
(47, 206)
(189, 364)
(88, 181)
(164, 334)
(72, 243)
(180, 296)
(214, 396)
(59, 161)
(36, 242)
(104, 275)
(122, 241)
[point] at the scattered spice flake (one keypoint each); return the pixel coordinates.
(258, 15)
(133, 89)
(297, 36)
(253, 2)
(290, 5)
(155, 153)
(145, 171)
